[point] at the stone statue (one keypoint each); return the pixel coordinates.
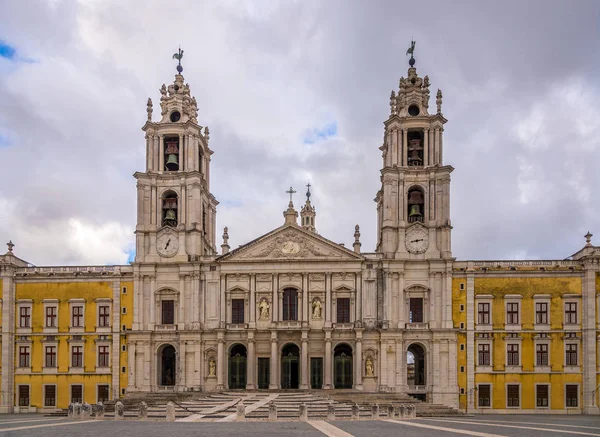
(163, 92)
(316, 306)
(149, 109)
(263, 306)
(369, 371)
(438, 101)
(212, 368)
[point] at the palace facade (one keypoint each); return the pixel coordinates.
(294, 310)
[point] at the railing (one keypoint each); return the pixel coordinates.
(508, 264)
(165, 327)
(420, 325)
(290, 324)
(70, 269)
(236, 326)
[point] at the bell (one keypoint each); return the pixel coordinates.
(415, 196)
(415, 210)
(172, 162)
(170, 215)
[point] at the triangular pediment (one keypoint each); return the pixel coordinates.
(290, 243)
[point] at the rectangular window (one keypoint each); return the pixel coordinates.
(484, 395)
(512, 352)
(343, 310)
(77, 356)
(290, 304)
(23, 356)
(541, 313)
(77, 319)
(51, 317)
(237, 311)
(168, 312)
(571, 313)
(483, 313)
(49, 396)
(416, 310)
(76, 393)
(25, 317)
(541, 395)
(571, 352)
(103, 356)
(572, 393)
(512, 313)
(512, 395)
(50, 359)
(103, 393)
(23, 396)
(541, 354)
(484, 354)
(104, 316)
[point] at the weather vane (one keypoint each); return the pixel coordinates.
(291, 192)
(178, 56)
(411, 51)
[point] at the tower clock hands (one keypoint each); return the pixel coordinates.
(417, 240)
(168, 242)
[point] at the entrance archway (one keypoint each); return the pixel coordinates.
(342, 366)
(415, 365)
(237, 367)
(290, 366)
(167, 361)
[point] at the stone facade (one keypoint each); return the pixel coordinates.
(292, 309)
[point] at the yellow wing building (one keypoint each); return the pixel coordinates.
(292, 309)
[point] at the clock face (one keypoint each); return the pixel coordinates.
(417, 240)
(167, 244)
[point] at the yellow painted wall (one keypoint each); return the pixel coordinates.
(127, 320)
(459, 297)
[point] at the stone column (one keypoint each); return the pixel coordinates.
(327, 380)
(250, 372)
(220, 361)
(252, 300)
(182, 148)
(131, 363)
(8, 339)
(437, 146)
(399, 363)
(181, 373)
(304, 383)
(274, 299)
(404, 147)
(137, 297)
(306, 301)
(426, 147)
(149, 142)
(273, 385)
(328, 306)
(222, 302)
(183, 216)
(161, 154)
(181, 311)
(153, 319)
(358, 363)
(588, 324)
(394, 146)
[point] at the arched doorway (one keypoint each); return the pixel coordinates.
(237, 367)
(290, 366)
(342, 366)
(415, 365)
(167, 360)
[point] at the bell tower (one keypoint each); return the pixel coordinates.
(176, 214)
(413, 204)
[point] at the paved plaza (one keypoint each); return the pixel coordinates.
(483, 426)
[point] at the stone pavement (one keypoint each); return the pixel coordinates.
(35, 425)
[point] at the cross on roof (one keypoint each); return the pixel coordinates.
(291, 191)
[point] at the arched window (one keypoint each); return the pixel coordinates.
(169, 209)
(415, 148)
(416, 205)
(172, 153)
(290, 304)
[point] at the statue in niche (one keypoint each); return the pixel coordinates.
(263, 306)
(369, 369)
(212, 368)
(316, 307)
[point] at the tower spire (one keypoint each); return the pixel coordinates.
(308, 213)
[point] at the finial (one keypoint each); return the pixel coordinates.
(291, 192)
(438, 101)
(178, 56)
(308, 191)
(206, 134)
(588, 238)
(411, 51)
(10, 246)
(393, 107)
(149, 109)
(225, 245)
(357, 243)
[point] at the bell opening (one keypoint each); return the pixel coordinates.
(172, 154)
(416, 205)
(415, 148)
(169, 217)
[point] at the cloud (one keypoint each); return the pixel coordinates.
(296, 92)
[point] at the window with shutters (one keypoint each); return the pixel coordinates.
(541, 354)
(512, 395)
(103, 356)
(541, 313)
(541, 395)
(290, 304)
(23, 396)
(484, 394)
(50, 358)
(51, 313)
(25, 317)
(49, 396)
(103, 393)
(416, 310)
(483, 354)
(571, 354)
(77, 356)
(104, 316)
(483, 313)
(512, 313)
(571, 313)
(512, 354)
(237, 311)
(572, 395)
(76, 393)
(168, 312)
(343, 310)
(24, 356)
(77, 316)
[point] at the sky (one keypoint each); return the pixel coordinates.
(296, 92)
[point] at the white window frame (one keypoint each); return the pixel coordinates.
(105, 369)
(518, 341)
(82, 391)
(549, 406)
(511, 299)
(51, 370)
(483, 368)
(55, 395)
(24, 303)
(520, 395)
(489, 299)
(18, 368)
(110, 397)
(73, 369)
(103, 302)
(541, 298)
(572, 298)
(576, 342)
(491, 396)
(565, 396)
(345, 293)
(49, 303)
(74, 303)
(29, 385)
(542, 340)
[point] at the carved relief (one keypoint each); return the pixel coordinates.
(291, 244)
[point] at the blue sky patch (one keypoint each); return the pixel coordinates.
(131, 255)
(315, 135)
(6, 51)
(4, 140)
(232, 203)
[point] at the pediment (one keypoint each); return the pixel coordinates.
(291, 243)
